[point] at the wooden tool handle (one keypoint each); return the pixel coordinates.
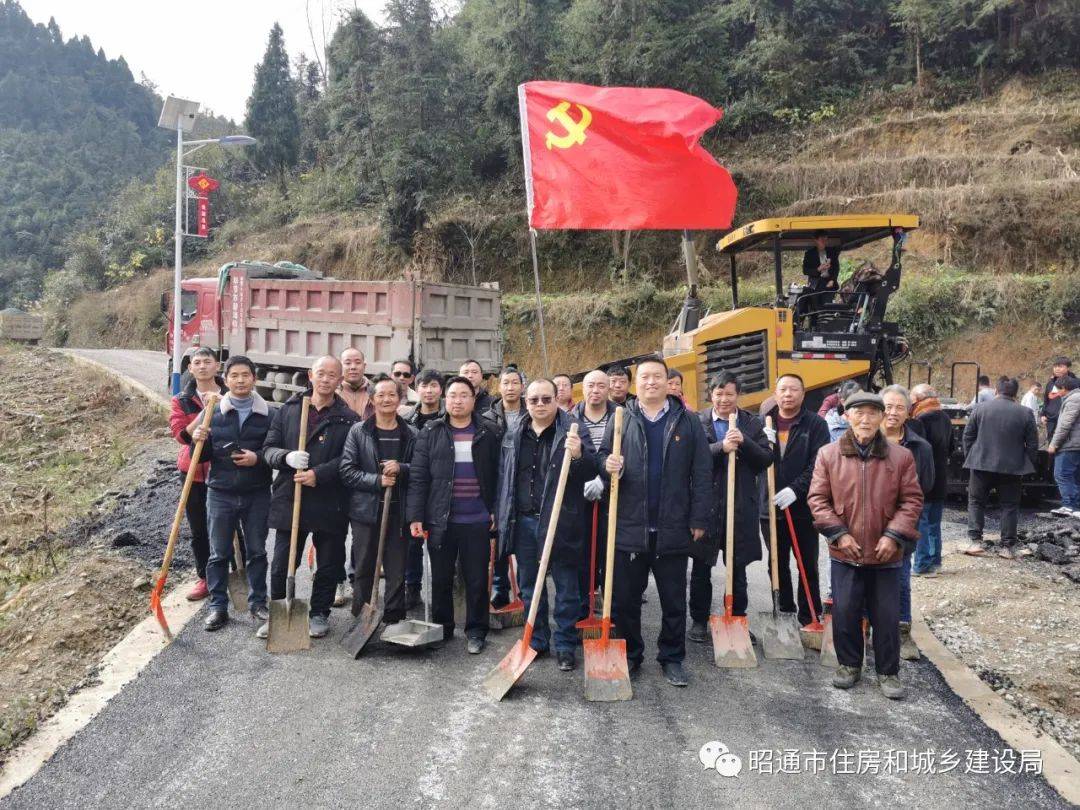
(238, 553)
(612, 519)
(553, 525)
(770, 475)
(388, 493)
(729, 561)
(189, 479)
(298, 488)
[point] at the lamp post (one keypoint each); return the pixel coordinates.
(178, 115)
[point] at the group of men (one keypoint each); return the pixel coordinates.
(474, 478)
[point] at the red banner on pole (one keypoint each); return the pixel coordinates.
(202, 216)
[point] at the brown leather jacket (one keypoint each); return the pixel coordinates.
(866, 499)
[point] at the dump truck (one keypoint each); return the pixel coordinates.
(285, 317)
(21, 327)
(826, 338)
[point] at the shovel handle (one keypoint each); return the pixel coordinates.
(799, 562)
(592, 556)
(238, 553)
(185, 493)
(549, 540)
(298, 489)
(388, 493)
(729, 527)
(770, 476)
(612, 519)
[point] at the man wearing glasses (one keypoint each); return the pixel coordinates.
(529, 465)
(404, 373)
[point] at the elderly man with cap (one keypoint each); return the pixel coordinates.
(866, 499)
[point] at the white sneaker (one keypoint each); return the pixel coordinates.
(263, 631)
(1062, 511)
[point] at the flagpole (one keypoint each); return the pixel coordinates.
(539, 302)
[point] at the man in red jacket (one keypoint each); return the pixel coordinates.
(866, 499)
(186, 409)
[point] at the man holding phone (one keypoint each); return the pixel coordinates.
(238, 489)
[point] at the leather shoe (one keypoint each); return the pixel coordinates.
(566, 661)
(675, 674)
(699, 632)
(216, 620)
(475, 646)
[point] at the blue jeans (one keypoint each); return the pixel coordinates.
(527, 548)
(1067, 475)
(928, 549)
(225, 511)
(905, 589)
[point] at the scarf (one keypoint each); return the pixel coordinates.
(926, 406)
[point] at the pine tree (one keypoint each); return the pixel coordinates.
(271, 112)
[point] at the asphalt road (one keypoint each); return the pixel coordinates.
(216, 721)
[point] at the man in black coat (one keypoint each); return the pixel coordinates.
(1001, 443)
(472, 371)
(505, 413)
(665, 491)
(1053, 394)
(323, 498)
(937, 430)
(529, 467)
(238, 490)
(452, 489)
(752, 456)
(378, 453)
(821, 265)
(797, 435)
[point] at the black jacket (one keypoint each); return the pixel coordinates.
(225, 430)
(413, 416)
(360, 469)
(937, 430)
(569, 543)
(795, 469)
(322, 507)
(484, 400)
(431, 474)
(751, 459)
(923, 453)
(1052, 407)
(810, 268)
(686, 476)
(1001, 437)
(497, 416)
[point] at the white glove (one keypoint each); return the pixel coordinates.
(770, 434)
(594, 490)
(784, 498)
(298, 459)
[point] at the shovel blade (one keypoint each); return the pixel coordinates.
(288, 626)
(413, 633)
(158, 610)
(780, 637)
(509, 671)
(361, 631)
(828, 649)
(607, 676)
(238, 590)
(731, 642)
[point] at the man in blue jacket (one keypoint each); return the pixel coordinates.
(238, 490)
(664, 461)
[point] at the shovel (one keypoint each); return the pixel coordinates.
(731, 634)
(413, 632)
(811, 633)
(289, 616)
(174, 532)
(371, 613)
(828, 649)
(509, 671)
(238, 585)
(607, 676)
(591, 626)
(780, 632)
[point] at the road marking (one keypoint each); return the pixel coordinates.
(119, 667)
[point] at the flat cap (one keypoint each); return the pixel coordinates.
(860, 398)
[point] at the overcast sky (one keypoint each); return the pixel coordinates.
(205, 50)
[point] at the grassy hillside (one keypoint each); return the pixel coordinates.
(994, 181)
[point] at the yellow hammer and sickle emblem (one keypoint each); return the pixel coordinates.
(575, 130)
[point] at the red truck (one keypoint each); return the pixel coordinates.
(284, 317)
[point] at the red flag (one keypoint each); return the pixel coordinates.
(620, 158)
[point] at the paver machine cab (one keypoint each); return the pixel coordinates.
(824, 337)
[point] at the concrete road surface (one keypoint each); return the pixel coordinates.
(215, 721)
